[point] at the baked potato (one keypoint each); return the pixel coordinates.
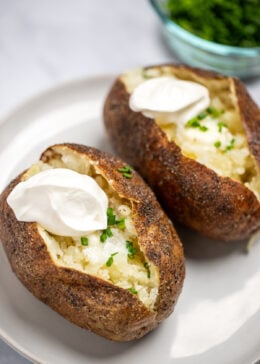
(211, 189)
(120, 296)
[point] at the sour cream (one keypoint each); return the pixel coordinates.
(64, 202)
(169, 100)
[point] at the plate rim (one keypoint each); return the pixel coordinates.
(57, 87)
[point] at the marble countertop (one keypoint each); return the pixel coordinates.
(49, 42)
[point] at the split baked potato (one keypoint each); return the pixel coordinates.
(213, 190)
(122, 300)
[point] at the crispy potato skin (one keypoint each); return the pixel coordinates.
(89, 301)
(191, 193)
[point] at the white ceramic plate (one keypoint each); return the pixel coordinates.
(217, 319)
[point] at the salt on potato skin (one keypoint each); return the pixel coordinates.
(193, 194)
(87, 300)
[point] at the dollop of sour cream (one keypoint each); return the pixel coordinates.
(169, 99)
(63, 201)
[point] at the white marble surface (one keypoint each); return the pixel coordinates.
(43, 43)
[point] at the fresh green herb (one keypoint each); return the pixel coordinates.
(131, 249)
(234, 23)
(221, 126)
(203, 128)
(110, 260)
(107, 233)
(133, 290)
(127, 175)
(212, 111)
(193, 123)
(84, 241)
(126, 171)
(217, 144)
(146, 265)
(231, 145)
(111, 217)
(121, 223)
(202, 115)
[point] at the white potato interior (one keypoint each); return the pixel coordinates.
(234, 161)
(130, 272)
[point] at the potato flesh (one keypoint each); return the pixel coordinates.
(236, 163)
(125, 272)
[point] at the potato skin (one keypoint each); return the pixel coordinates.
(191, 193)
(89, 301)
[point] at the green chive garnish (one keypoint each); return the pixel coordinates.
(84, 241)
(193, 123)
(214, 112)
(203, 128)
(131, 249)
(231, 145)
(132, 290)
(120, 223)
(127, 175)
(202, 115)
(111, 217)
(146, 265)
(217, 144)
(221, 126)
(110, 260)
(126, 171)
(107, 233)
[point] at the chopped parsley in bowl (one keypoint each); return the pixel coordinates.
(234, 23)
(220, 35)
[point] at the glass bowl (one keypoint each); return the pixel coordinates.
(198, 52)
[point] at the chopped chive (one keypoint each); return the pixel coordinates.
(110, 260)
(103, 237)
(120, 223)
(214, 112)
(131, 249)
(210, 110)
(111, 220)
(127, 175)
(217, 144)
(107, 233)
(231, 145)
(110, 211)
(203, 128)
(132, 290)
(146, 265)
(111, 217)
(126, 171)
(84, 241)
(193, 123)
(221, 126)
(202, 115)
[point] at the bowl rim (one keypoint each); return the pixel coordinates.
(201, 43)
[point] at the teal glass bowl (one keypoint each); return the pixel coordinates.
(198, 52)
